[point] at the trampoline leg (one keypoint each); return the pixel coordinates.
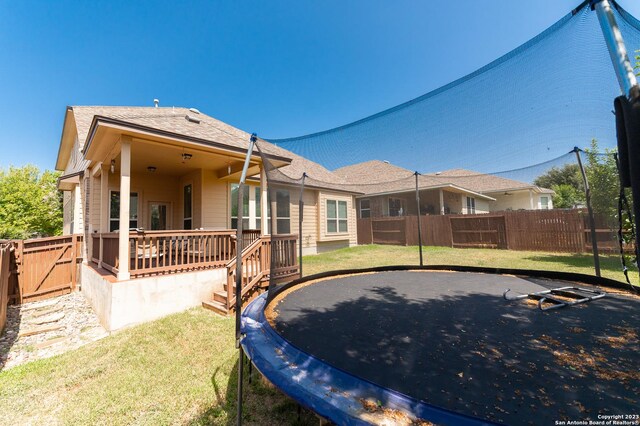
(250, 370)
(299, 412)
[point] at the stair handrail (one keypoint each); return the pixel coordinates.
(256, 246)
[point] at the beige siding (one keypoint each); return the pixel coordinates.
(95, 203)
(351, 235)
(517, 200)
(309, 237)
(215, 202)
(67, 211)
(150, 188)
(195, 179)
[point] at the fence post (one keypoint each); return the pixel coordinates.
(74, 244)
(418, 213)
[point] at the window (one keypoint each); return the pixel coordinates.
(234, 206)
(365, 209)
(188, 207)
(396, 207)
(251, 208)
(544, 203)
(114, 211)
(471, 205)
(283, 212)
(336, 217)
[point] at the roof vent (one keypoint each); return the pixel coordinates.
(438, 173)
(386, 161)
(194, 110)
(156, 102)
(192, 119)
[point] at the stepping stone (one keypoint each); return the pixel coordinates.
(38, 305)
(47, 312)
(48, 319)
(50, 342)
(39, 330)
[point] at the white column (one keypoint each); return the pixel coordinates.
(125, 194)
(531, 199)
(252, 206)
(263, 202)
(104, 206)
(441, 201)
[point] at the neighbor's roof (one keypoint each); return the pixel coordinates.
(172, 120)
(486, 183)
(378, 177)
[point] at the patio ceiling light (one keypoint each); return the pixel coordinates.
(186, 156)
(151, 169)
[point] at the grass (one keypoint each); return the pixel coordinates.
(375, 255)
(182, 369)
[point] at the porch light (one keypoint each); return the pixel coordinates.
(151, 169)
(113, 166)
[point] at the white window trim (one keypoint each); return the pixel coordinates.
(253, 217)
(337, 219)
(117, 219)
(471, 205)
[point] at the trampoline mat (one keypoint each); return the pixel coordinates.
(451, 340)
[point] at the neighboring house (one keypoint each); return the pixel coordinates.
(389, 190)
(173, 172)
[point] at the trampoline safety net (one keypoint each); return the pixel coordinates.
(514, 165)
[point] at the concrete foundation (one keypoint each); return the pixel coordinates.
(120, 304)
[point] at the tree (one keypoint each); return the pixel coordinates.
(602, 174)
(30, 203)
(566, 182)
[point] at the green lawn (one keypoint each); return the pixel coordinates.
(182, 369)
(375, 255)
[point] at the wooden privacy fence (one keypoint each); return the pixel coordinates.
(5, 273)
(534, 230)
(44, 267)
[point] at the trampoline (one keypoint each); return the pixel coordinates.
(442, 344)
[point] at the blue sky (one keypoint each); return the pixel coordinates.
(279, 68)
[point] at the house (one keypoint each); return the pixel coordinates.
(389, 190)
(152, 191)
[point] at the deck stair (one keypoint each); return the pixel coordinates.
(256, 271)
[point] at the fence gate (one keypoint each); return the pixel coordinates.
(46, 267)
(389, 231)
(481, 231)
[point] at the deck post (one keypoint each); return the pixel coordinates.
(441, 201)
(125, 194)
(264, 220)
(104, 208)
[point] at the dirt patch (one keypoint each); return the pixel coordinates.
(375, 413)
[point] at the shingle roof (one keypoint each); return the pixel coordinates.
(481, 182)
(173, 120)
(374, 177)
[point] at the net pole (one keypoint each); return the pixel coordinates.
(418, 216)
(627, 81)
(615, 45)
(238, 289)
(592, 222)
(300, 219)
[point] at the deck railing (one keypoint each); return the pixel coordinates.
(256, 260)
(163, 252)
